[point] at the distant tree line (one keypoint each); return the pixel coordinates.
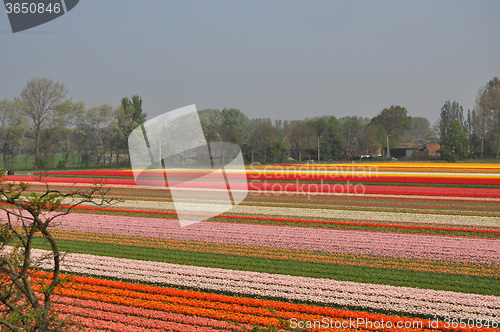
(51, 131)
(475, 135)
(43, 128)
(324, 138)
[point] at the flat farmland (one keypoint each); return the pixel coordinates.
(328, 247)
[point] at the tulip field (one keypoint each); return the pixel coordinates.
(325, 247)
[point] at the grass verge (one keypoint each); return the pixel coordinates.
(426, 280)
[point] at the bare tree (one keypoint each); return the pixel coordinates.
(301, 138)
(268, 137)
(98, 119)
(29, 216)
(65, 120)
(261, 135)
(39, 98)
(352, 130)
(12, 130)
(488, 112)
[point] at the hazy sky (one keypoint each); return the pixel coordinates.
(269, 58)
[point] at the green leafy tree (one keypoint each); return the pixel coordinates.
(128, 116)
(453, 129)
(278, 152)
(455, 144)
(394, 120)
(212, 123)
(134, 109)
(450, 112)
(234, 125)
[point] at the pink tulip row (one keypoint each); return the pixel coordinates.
(446, 248)
(322, 291)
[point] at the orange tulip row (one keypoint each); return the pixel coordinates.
(222, 307)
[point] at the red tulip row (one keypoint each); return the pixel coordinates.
(116, 317)
(272, 189)
(301, 176)
(378, 177)
(293, 188)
